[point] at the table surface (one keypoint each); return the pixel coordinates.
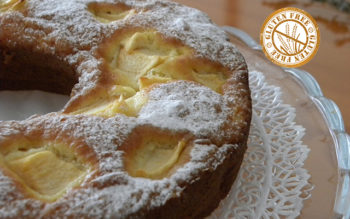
(330, 66)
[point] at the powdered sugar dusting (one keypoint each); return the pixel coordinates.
(187, 106)
(113, 191)
(69, 31)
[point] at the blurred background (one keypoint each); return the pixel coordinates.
(330, 66)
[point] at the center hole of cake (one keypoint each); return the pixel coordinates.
(19, 105)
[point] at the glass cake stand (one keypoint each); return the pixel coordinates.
(328, 161)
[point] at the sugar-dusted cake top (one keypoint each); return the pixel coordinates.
(162, 99)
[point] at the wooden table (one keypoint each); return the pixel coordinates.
(330, 66)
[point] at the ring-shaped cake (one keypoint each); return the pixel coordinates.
(157, 122)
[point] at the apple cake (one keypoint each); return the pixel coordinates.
(158, 116)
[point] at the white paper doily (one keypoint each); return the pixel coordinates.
(272, 182)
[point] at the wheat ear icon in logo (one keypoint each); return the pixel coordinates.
(288, 41)
(291, 45)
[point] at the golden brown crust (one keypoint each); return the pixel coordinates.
(64, 50)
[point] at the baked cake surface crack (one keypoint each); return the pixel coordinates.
(157, 122)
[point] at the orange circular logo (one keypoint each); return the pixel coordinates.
(290, 37)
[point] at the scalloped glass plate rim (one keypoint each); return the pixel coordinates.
(332, 117)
